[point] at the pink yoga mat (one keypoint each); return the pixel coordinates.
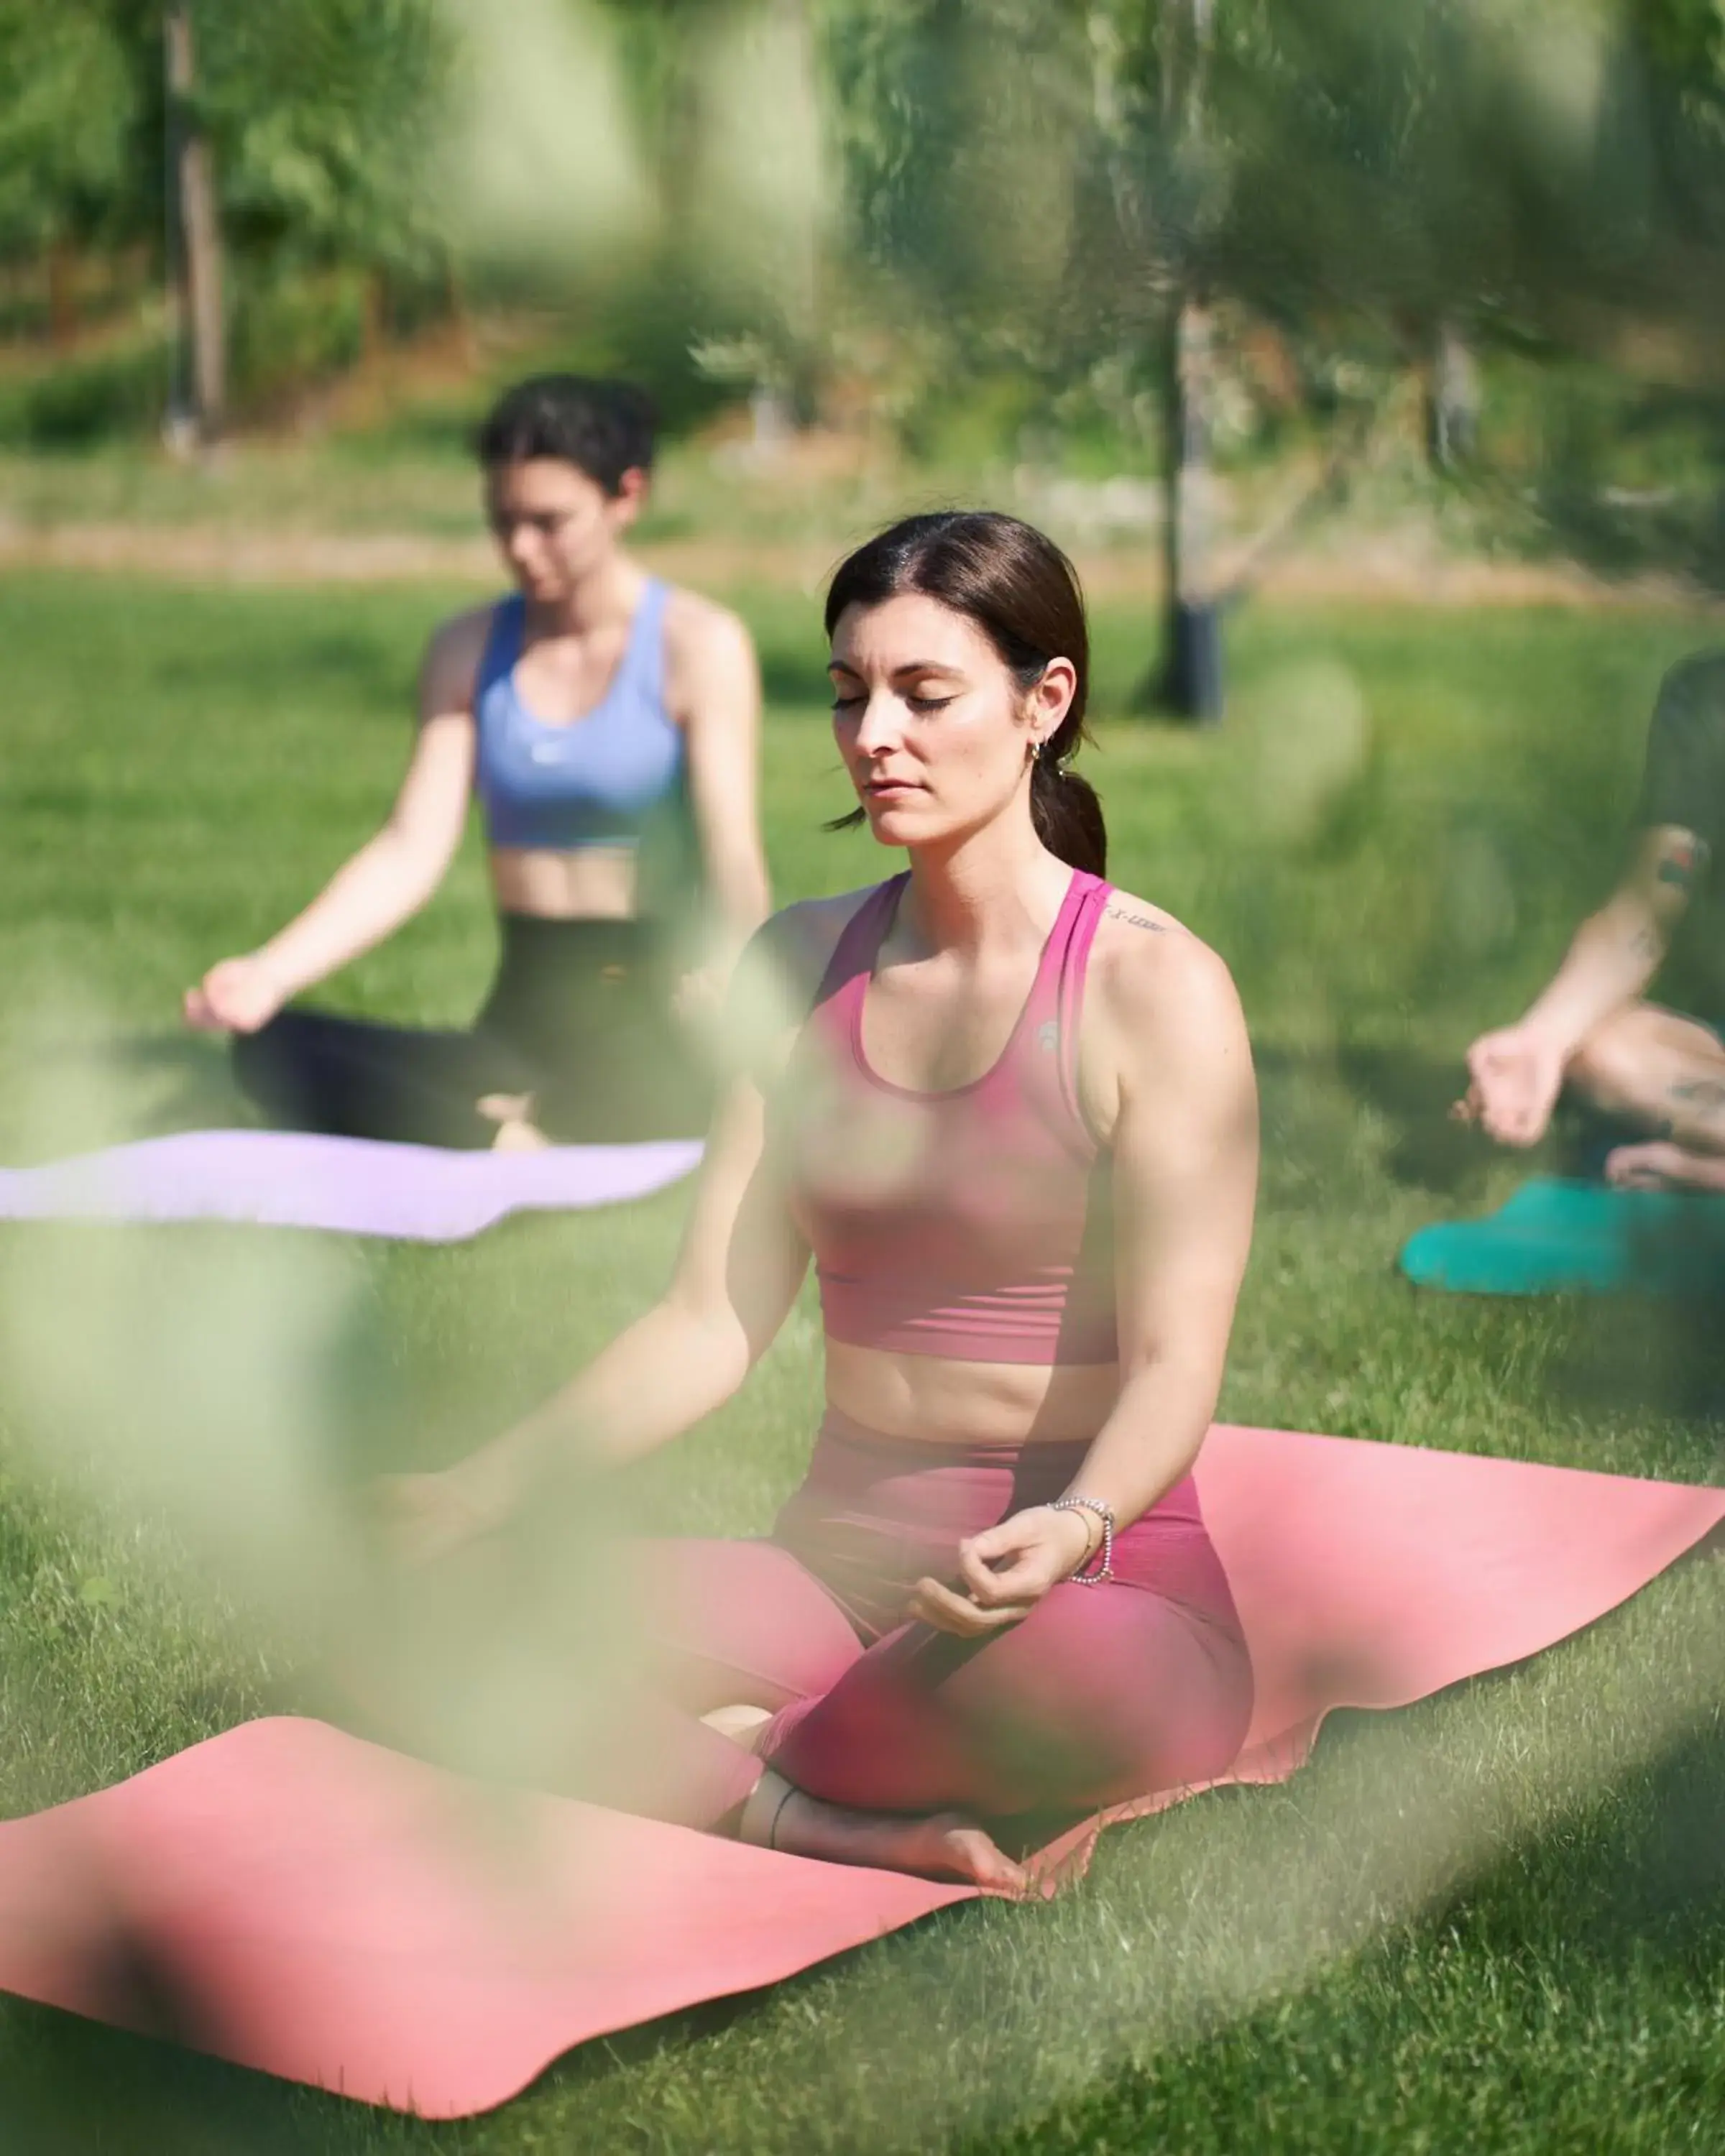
(355, 1186)
(293, 1899)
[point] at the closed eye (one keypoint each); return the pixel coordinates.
(921, 704)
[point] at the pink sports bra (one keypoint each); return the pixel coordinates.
(974, 1224)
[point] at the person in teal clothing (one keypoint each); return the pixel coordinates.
(1656, 1068)
(610, 726)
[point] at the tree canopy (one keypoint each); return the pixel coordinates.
(922, 191)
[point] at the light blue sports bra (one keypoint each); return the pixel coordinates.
(594, 782)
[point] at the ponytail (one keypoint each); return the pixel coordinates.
(1067, 817)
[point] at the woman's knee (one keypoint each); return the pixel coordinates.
(734, 1623)
(1113, 1703)
(1063, 1712)
(1617, 1069)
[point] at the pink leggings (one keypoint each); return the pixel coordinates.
(1100, 1694)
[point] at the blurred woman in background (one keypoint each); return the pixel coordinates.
(610, 724)
(1649, 1077)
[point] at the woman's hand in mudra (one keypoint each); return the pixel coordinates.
(239, 995)
(1004, 1572)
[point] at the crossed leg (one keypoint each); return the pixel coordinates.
(1091, 1699)
(312, 1070)
(740, 1634)
(1657, 1068)
(756, 1710)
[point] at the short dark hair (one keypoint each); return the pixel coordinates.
(603, 429)
(1024, 594)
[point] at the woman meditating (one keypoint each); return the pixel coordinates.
(1012, 1118)
(597, 713)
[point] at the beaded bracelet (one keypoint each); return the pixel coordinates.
(1104, 1557)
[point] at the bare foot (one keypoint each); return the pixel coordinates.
(513, 1115)
(1660, 1165)
(519, 1138)
(741, 1724)
(942, 1846)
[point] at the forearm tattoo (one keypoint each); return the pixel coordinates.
(1135, 920)
(1703, 1097)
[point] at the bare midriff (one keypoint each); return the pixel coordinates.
(596, 884)
(950, 1402)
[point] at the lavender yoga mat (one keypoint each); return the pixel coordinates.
(356, 1186)
(299, 1902)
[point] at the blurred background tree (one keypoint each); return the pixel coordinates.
(319, 122)
(1178, 273)
(67, 146)
(324, 118)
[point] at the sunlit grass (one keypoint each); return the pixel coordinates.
(1493, 1922)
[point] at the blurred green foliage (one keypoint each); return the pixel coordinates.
(66, 125)
(320, 112)
(962, 224)
(317, 113)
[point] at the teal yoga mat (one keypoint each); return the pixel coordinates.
(1556, 1236)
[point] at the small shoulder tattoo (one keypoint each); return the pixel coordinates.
(1136, 920)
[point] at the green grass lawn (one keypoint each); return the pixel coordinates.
(1497, 1922)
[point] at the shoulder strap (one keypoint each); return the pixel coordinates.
(643, 659)
(503, 644)
(1091, 895)
(860, 940)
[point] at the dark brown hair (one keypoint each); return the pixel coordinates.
(603, 429)
(1021, 590)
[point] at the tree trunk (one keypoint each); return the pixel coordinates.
(62, 267)
(1191, 684)
(1452, 411)
(460, 313)
(374, 315)
(195, 246)
(1192, 644)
